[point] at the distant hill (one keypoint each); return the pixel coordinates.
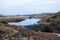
(2, 16)
(42, 15)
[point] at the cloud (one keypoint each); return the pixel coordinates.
(28, 6)
(13, 3)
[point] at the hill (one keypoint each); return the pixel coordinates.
(42, 15)
(53, 22)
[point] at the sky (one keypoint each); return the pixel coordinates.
(22, 7)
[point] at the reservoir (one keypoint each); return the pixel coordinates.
(25, 22)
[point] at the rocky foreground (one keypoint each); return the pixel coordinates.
(44, 36)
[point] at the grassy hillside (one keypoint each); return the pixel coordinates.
(12, 18)
(53, 22)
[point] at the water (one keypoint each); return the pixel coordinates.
(25, 22)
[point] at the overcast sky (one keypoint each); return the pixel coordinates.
(13, 7)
